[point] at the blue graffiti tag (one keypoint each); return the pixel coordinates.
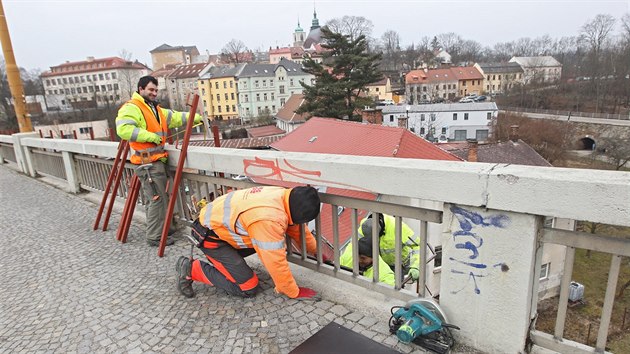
(468, 220)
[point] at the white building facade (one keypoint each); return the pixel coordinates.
(444, 121)
(93, 82)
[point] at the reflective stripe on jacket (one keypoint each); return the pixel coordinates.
(385, 273)
(258, 218)
(136, 122)
(387, 243)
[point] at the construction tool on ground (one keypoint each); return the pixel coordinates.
(178, 174)
(115, 175)
(147, 169)
(422, 322)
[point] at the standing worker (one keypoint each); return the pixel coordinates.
(387, 242)
(244, 222)
(145, 125)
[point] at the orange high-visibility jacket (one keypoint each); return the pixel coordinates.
(258, 218)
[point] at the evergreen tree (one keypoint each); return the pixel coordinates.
(341, 78)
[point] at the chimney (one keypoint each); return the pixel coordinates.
(472, 150)
(90, 59)
(514, 133)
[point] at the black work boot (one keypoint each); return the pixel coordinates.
(155, 243)
(184, 279)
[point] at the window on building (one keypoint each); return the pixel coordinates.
(71, 80)
(106, 76)
(544, 271)
(443, 130)
(233, 108)
(218, 97)
(85, 90)
(282, 102)
(231, 84)
(465, 116)
(273, 96)
(437, 261)
(227, 108)
(65, 80)
(265, 96)
(481, 134)
(499, 77)
(203, 91)
(290, 82)
(422, 131)
(257, 97)
(454, 116)
(113, 76)
(259, 110)
(224, 84)
(100, 77)
(115, 86)
(273, 108)
(422, 117)
(216, 85)
(219, 109)
(264, 83)
(97, 88)
(256, 84)
(271, 83)
(489, 115)
(281, 89)
(391, 117)
(424, 89)
(433, 117)
(232, 94)
(246, 98)
(72, 90)
(226, 96)
(460, 135)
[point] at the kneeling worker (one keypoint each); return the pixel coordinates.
(245, 222)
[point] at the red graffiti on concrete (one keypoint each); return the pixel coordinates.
(272, 169)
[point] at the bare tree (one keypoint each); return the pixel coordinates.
(235, 51)
(391, 50)
(125, 54)
(595, 34)
(352, 26)
(617, 151)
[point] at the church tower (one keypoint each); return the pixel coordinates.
(298, 36)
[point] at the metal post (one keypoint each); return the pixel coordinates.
(13, 76)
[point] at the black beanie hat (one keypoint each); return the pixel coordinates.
(303, 204)
(365, 246)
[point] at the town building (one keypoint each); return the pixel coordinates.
(286, 118)
(500, 77)
(380, 90)
(444, 121)
(181, 82)
(93, 83)
(265, 88)
(431, 85)
(218, 91)
(166, 54)
(539, 69)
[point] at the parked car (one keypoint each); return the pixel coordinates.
(439, 100)
(480, 98)
(466, 100)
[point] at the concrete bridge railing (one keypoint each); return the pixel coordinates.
(491, 218)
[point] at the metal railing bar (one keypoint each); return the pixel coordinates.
(564, 293)
(588, 241)
(609, 299)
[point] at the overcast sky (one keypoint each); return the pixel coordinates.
(48, 32)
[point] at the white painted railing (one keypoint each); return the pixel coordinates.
(492, 224)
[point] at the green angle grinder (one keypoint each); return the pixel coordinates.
(422, 322)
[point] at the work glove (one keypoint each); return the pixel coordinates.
(198, 118)
(414, 274)
(154, 138)
(307, 294)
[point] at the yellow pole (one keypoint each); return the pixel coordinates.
(13, 75)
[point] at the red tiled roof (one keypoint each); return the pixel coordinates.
(187, 71)
(333, 136)
(165, 71)
(466, 73)
(283, 50)
(518, 153)
(287, 112)
(245, 143)
(382, 82)
(415, 77)
(267, 130)
(92, 65)
(439, 75)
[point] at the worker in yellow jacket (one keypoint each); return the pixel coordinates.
(145, 124)
(244, 222)
(385, 274)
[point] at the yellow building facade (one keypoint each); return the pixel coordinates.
(219, 92)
